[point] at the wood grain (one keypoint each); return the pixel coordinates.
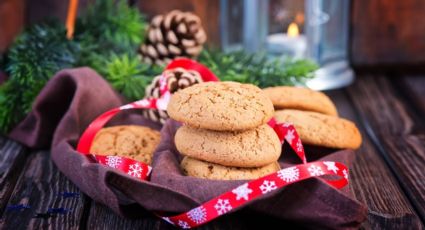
(413, 88)
(40, 10)
(398, 134)
(101, 217)
(384, 109)
(12, 160)
(372, 182)
(40, 186)
(11, 21)
(408, 155)
(387, 32)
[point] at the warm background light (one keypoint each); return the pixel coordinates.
(293, 30)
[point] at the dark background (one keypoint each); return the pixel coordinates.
(384, 33)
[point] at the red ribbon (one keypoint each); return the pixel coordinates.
(230, 200)
(190, 64)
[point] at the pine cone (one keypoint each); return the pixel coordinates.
(172, 35)
(177, 79)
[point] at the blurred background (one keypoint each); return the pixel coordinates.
(380, 32)
(338, 35)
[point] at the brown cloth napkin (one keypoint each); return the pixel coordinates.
(74, 97)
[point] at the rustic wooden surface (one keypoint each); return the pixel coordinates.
(387, 32)
(11, 21)
(388, 174)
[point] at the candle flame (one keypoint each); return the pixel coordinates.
(293, 30)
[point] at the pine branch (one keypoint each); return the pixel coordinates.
(128, 75)
(257, 69)
(111, 25)
(35, 56)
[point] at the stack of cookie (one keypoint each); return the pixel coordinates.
(225, 135)
(314, 116)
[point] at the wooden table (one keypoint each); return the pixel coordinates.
(388, 174)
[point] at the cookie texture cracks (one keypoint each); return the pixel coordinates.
(221, 106)
(252, 148)
(321, 129)
(286, 97)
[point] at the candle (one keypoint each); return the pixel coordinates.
(291, 43)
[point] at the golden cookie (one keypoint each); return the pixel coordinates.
(322, 130)
(251, 148)
(286, 97)
(135, 142)
(206, 170)
(221, 106)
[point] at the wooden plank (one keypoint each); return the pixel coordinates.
(382, 107)
(372, 181)
(40, 10)
(12, 159)
(12, 20)
(413, 88)
(387, 32)
(101, 217)
(42, 187)
(408, 155)
(395, 128)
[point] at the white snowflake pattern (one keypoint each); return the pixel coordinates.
(289, 137)
(331, 166)
(299, 146)
(242, 192)
(142, 102)
(268, 186)
(197, 215)
(289, 174)
(315, 170)
(135, 170)
(345, 174)
(162, 82)
(168, 220)
(113, 161)
(183, 224)
(162, 102)
(129, 106)
(222, 206)
(287, 124)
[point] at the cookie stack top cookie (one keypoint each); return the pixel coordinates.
(221, 106)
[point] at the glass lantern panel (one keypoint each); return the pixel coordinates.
(327, 30)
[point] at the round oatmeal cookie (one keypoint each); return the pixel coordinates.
(286, 97)
(221, 106)
(322, 130)
(132, 141)
(251, 148)
(207, 170)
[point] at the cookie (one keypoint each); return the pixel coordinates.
(207, 170)
(322, 130)
(135, 142)
(221, 106)
(251, 148)
(286, 97)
